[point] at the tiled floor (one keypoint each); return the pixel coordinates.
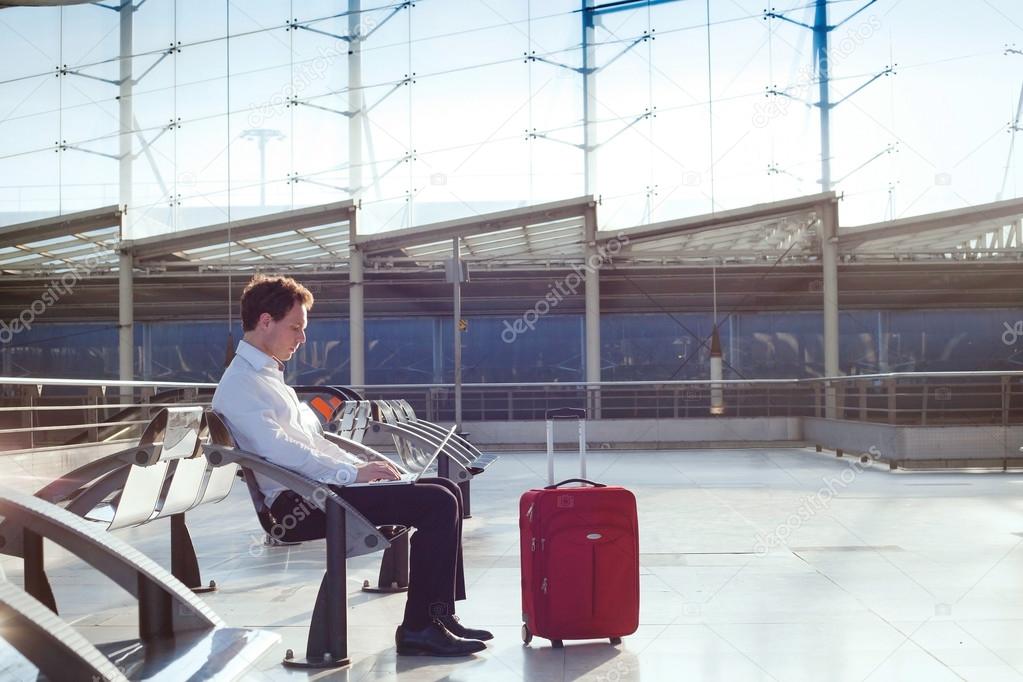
(771, 564)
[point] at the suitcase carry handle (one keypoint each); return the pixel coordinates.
(566, 413)
(574, 480)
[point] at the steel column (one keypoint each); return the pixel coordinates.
(829, 266)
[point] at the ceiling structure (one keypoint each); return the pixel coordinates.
(320, 239)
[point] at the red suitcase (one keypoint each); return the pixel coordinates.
(580, 555)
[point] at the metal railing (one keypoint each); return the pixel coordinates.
(38, 413)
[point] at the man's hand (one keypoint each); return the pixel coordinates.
(376, 471)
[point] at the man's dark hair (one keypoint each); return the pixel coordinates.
(274, 295)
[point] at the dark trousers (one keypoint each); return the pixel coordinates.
(433, 506)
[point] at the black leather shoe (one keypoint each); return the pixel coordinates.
(456, 628)
(434, 640)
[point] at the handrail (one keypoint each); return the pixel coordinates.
(52, 381)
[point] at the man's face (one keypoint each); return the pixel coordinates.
(283, 337)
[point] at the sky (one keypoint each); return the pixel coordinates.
(477, 105)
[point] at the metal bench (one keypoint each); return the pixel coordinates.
(348, 534)
(415, 440)
(164, 476)
(179, 637)
(477, 461)
(187, 458)
(394, 566)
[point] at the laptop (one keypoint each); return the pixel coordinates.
(406, 479)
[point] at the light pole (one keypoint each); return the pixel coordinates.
(262, 136)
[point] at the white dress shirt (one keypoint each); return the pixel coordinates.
(265, 417)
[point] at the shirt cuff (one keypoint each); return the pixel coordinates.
(345, 474)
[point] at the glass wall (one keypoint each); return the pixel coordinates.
(232, 109)
(634, 347)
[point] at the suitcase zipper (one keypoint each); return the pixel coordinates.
(532, 545)
(543, 586)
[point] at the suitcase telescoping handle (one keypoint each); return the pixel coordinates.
(574, 480)
(566, 413)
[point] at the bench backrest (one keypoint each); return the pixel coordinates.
(170, 474)
(361, 420)
(385, 414)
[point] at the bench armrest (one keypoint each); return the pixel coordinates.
(362, 450)
(362, 537)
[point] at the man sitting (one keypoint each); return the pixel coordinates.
(264, 415)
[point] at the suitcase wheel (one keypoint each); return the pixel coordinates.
(557, 644)
(527, 636)
(616, 640)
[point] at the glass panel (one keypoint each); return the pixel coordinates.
(555, 131)
(73, 351)
(678, 80)
(648, 347)
(90, 126)
(200, 20)
(386, 142)
(202, 139)
(551, 351)
(961, 340)
(777, 345)
(473, 158)
(31, 115)
(186, 351)
(470, 158)
(399, 351)
(154, 165)
(28, 187)
(29, 42)
(261, 120)
(323, 359)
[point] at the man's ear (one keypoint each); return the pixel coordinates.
(265, 319)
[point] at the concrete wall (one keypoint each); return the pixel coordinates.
(916, 443)
(634, 433)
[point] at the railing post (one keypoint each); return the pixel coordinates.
(29, 397)
(892, 402)
(863, 399)
(146, 395)
(93, 397)
(924, 393)
(1006, 398)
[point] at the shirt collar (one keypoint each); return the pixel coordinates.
(257, 358)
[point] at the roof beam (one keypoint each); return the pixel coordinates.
(724, 219)
(167, 244)
(488, 222)
(60, 226)
(964, 217)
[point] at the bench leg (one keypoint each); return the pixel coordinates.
(36, 582)
(393, 568)
(466, 503)
(327, 645)
(184, 564)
